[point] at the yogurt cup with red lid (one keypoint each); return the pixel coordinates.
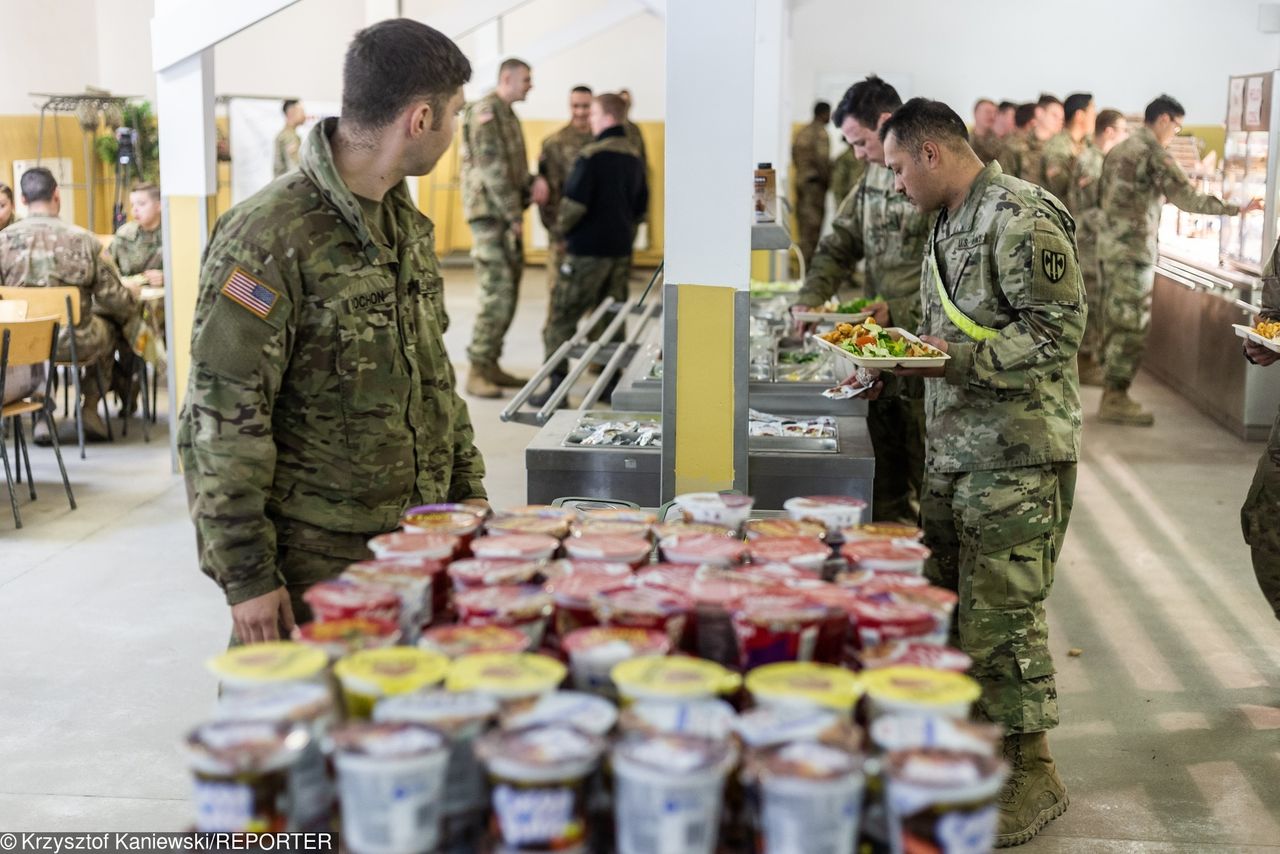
(886, 556)
(668, 529)
(641, 607)
(715, 592)
(423, 546)
(706, 549)
(572, 597)
(940, 600)
(780, 626)
(458, 641)
(595, 650)
(343, 637)
(630, 550)
(344, 598)
(525, 608)
(606, 527)
(917, 654)
(875, 622)
(471, 573)
(508, 525)
(413, 585)
(409, 568)
(715, 508)
(834, 512)
(460, 523)
(563, 568)
(882, 531)
(673, 576)
(533, 546)
(754, 529)
(808, 553)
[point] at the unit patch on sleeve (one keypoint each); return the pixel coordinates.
(250, 293)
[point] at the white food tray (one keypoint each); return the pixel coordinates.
(1248, 334)
(887, 362)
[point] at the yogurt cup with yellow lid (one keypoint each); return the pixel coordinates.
(674, 677)
(507, 677)
(804, 684)
(372, 674)
(270, 662)
(919, 691)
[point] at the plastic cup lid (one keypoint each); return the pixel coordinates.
(674, 676)
(527, 526)
(817, 502)
(580, 588)
(393, 670)
(387, 739)
(506, 674)
(903, 550)
(822, 685)
(673, 753)
(543, 511)
(624, 641)
(807, 760)
(350, 631)
(882, 531)
(698, 547)
(456, 641)
(456, 522)
(783, 549)
(920, 686)
(274, 661)
(504, 599)
(759, 528)
(289, 701)
(907, 732)
(491, 571)
(352, 593)
(545, 753)
(235, 746)
(607, 547)
(443, 709)
(413, 544)
(515, 546)
(419, 568)
(704, 717)
(585, 712)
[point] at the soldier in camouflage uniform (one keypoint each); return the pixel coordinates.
(604, 198)
(1137, 177)
(1260, 515)
(811, 166)
(44, 251)
(138, 247)
(983, 136)
(1082, 201)
(496, 188)
(288, 144)
(321, 402)
(559, 151)
(846, 172)
(879, 225)
(1014, 146)
(1003, 298)
(1061, 151)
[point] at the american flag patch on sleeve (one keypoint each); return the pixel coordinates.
(248, 292)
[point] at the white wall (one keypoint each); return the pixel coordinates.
(48, 47)
(1124, 51)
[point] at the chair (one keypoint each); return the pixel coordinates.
(12, 309)
(25, 343)
(63, 303)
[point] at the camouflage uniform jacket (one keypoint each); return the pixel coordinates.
(811, 154)
(1137, 176)
(44, 251)
(1013, 151)
(495, 169)
(287, 148)
(559, 151)
(846, 172)
(320, 390)
(1007, 258)
(1056, 163)
(876, 223)
(135, 250)
(1082, 195)
(985, 145)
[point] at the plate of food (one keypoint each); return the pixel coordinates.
(1264, 332)
(869, 345)
(835, 311)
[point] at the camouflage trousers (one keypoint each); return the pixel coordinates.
(1260, 520)
(582, 283)
(896, 425)
(811, 203)
(996, 536)
(1095, 297)
(1127, 308)
(498, 256)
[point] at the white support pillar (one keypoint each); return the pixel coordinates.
(709, 169)
(772, 116)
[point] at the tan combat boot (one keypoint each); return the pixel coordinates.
(502, 379)
(479, 384)
(1034, 794)
(1090, 372)
(1118, 408)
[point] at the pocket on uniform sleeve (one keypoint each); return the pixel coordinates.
(1009, 528)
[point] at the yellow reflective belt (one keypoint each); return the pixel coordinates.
(966, 324)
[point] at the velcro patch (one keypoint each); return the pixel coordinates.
(1055, 276)
(361, 302)
(249, 293)
(1054, 264)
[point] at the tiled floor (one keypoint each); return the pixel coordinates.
(1171, 714)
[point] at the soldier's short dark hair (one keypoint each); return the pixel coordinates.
(585, 90)
(391, 64)
(152, 190)
(1107, 119)
(612, 105)
(38, 185)
(287, 105)
(821, 110)
(1165, 105)
(1076, 102)
(1006, 105)
(1023, 114)
(866, 101)
(511, 63)
(1046, 99)
(921, 120)
(978, 103)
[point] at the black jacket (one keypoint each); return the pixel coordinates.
(608, 180)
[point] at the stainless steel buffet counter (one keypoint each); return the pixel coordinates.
(1191, 346)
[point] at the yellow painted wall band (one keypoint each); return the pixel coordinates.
(704, 388)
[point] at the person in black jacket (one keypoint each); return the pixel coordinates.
(604, 199)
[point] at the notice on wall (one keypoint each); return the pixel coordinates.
(1253, 102)
(1235, 103)
(254, 123)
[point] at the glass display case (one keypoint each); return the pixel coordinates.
(1249, 169)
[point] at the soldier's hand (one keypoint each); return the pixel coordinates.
(1254, 205)
(517, 229)
(879, 312)
(1260, 355)
(263, 618)
(541, 191)
(801, 328)
(865, 378)
(155, 278)
(939, 371)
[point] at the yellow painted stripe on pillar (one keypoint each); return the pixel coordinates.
(186, 241)
(704, 389)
